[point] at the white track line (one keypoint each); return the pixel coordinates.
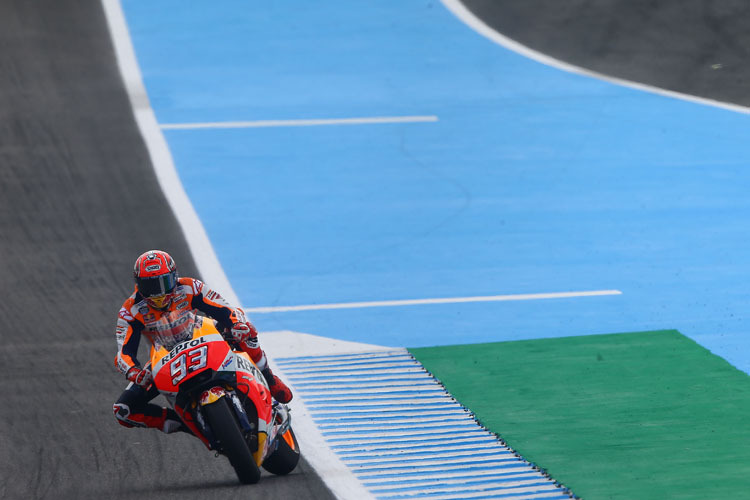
(450, 300)
(195, 234)
(301, 123)
(466, 16)
(337, 476)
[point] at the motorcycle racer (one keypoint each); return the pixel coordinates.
(158, 291)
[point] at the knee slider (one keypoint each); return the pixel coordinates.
(122, 412)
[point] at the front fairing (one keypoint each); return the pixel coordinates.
(205, 349)
(175, 370)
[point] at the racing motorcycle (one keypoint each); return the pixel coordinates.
(221, 396)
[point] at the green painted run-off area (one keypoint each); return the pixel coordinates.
(638, 415)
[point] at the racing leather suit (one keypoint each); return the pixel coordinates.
(138, 319)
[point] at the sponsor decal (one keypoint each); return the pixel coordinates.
(181, 347)
(211, 395)
(182, 305)
(149, 317)
(227, 362)
(143, 310)
(124, 314)
(153, 267)
(122, 365)
(120, 333)
(244, 364)
(240, 315)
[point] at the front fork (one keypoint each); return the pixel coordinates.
(281, 419)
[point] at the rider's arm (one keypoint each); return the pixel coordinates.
(128, 333)
(214, 305)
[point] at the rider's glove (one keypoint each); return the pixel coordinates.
(140, 376)
(243, 331)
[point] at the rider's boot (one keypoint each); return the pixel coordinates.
(279, 389)
(173, 423)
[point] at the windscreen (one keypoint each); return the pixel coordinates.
(173, 328)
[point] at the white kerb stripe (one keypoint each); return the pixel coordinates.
(426, 457)
(377, 451)
(445, 478)
(441, 487)
(456, 466)
(398, 445)
(301, 123)
(524, 493)
(450, 300)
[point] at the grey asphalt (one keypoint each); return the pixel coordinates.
(696, 47)
(79, 201)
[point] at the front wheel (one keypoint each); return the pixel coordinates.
(223, 423)
(285, 458)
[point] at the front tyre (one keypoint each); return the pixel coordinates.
(223, 423)
(285, 458)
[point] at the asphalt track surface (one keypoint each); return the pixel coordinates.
(696, 47)
(79, 201)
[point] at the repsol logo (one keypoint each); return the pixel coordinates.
(181, 347)
(244, 364)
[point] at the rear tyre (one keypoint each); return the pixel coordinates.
(285, 458)
(223, 423)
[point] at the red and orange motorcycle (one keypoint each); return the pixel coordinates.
(222, 396)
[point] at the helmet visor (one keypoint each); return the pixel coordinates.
(157, 285)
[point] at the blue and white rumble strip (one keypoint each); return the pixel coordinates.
(403, 436)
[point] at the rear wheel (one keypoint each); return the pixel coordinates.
(223, 423)
(285, 458)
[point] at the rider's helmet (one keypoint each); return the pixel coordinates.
(155, 276)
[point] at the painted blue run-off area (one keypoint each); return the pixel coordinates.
(533, 180)
(425, 445)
